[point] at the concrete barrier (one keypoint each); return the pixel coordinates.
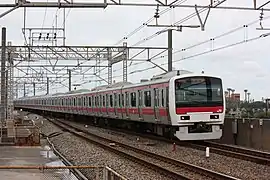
(252, 133)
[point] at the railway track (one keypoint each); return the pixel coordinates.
(256, 156)
(170, 167)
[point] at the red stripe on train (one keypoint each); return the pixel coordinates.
(185, 110)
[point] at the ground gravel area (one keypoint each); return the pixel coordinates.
(223, 164)
(82, 153)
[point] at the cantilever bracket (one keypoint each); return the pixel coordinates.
(9, 11)
(200, 19)
(156, 65)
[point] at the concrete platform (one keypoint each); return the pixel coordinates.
(31, 156)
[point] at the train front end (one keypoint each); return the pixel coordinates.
(197, 107)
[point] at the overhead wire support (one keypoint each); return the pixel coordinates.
(179, 22)
(206, 41)
(10, 10)
(200, 19)
(104, 4)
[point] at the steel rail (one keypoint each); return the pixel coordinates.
(177, 163)
(256, 156)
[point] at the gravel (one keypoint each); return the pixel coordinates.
(80, 153)
(88, 154)
(231, 166)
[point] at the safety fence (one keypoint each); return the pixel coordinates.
(86, 172)
(64, 172)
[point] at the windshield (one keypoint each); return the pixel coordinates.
(198, 92)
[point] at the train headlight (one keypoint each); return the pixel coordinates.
(185, 117)
(214, 116)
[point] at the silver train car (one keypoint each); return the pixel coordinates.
(188, 105)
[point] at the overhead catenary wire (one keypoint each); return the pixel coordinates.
(203, 42)
(151, 19)
(177, 23)
(157, 33)
(44, 18)
(207, 41)
(199, 54)
(143, 25)
(148, 21)
(208, 51)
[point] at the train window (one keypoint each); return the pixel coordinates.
(89, 102)
(167, 96)
(119, 100)
(111, 100)
(123, 100)
(103, 101)
(115, 99)
(127, 99)
(107, 100)
(133, 99)
(140, 97)
(156, 96)
(162, 98)
(74, 101)
(62, 102)
(147, 98)
(100, 101)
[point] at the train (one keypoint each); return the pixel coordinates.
(184, 104)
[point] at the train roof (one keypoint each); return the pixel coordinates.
(161, 78)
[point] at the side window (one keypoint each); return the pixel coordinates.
(162, 98)
(167, 97)
(156, 100)
(89, 101)
(103, 101)
(115, 99)
(111, 100)
(127, 99)
(140, 97)
(84, 101)
(133, 99)
(123, 100)
(119, 100)
(147, 98)
(100, 101)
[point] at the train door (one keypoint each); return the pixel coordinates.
(115, 104)
(156, 103)
(121, 105)
(140, 104)
(127, 104)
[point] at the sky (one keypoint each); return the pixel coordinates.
(243, 66)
